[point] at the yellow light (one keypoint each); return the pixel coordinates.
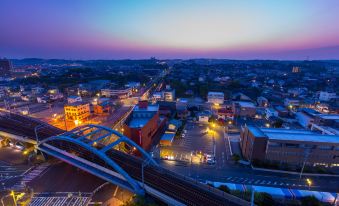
(19, 196)
(267, 125)
(12, 193)
(213, 125)
(229, 122)
(76, 122)
(25, 152)
(95, 143)
(309, 182)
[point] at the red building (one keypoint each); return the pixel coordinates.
(144, 124)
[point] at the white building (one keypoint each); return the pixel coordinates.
(169, 94)
(72, 99)
(291, 102)
(327, 96)
(157, 96)
(215, 97)
(121, 93)
(37, 90)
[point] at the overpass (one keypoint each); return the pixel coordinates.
(102, 151)
(24, 128)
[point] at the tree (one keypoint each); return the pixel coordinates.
(140, 201)
(224, 188)
(278, 123)
(263, 199)
(235, 157)
(310, 201)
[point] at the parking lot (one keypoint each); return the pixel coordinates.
(195, 144)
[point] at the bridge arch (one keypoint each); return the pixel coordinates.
(79, 139)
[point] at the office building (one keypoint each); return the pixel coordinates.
(77, 111)
(327, 96)
(296, 70)
(117, 93)
(5, 67)
(73, 99)
(143, 124)
(169, 94)
(289, 146)
(215, 97)
(244, 109)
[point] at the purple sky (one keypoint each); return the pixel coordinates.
(261, 29)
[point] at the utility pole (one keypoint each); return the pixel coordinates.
(335, 200)
(144, 163)
(252, 196)
(307, 154)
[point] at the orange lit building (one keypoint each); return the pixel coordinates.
(77, 111)
(144, 124)
(102, 107)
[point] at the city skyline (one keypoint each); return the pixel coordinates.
(170, 29)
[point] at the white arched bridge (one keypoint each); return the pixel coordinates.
(110, 155)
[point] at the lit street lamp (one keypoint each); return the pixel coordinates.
(214, 146)
(13, 195)
(309, 182)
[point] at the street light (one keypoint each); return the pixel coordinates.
(309, 182)
(77, 122)
(13, 195)
(214, 146)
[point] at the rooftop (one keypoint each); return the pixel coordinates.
(329, 116)
(168, 137)
(292, 135)
(215, 93)
(73, 97)
(246, 104)
(150, 108)
(138, 122)
(311, 112)
(74, 104)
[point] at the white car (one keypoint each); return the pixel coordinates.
(210, 159)
(19, 146)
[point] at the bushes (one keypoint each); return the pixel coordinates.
(263, 199)
(140, 201)
(235, 157)
(224, 188)
(310, 201)
(260, 198)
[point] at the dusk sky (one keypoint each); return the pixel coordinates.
(247, 29)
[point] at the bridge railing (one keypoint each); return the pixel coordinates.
(203, 186)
